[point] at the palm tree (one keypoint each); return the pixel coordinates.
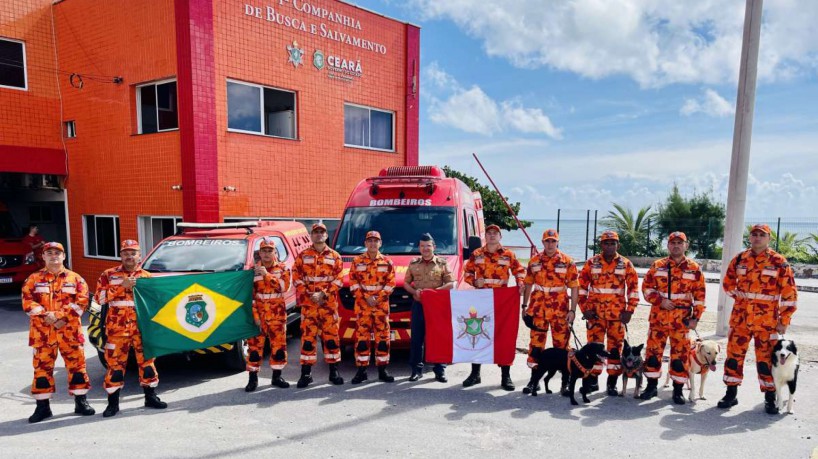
(633, 230)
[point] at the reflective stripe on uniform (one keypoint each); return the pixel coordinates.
(540, 288)
(789, 303)
(268, 296)
(678, 379)
(494, 281)
(308, 357)
(319, 278)
(764, 383)
(731, 379)
(608, 291)
(633, 295)
(382, 358)
(77, 308)
(582, 291)
(124, 304)
(760, 296)
(36, 310)
(653, 374)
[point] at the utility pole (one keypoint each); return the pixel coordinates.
(740, 161)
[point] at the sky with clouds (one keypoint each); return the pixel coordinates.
(575, 104)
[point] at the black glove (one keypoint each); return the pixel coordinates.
(625, 316)
(529, 322)
(590, 315)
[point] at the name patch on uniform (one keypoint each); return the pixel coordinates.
(504, 261)
(329, 261)
(596, 270)
(689, 276)
(360, 267)
(479, 260)
(561, 270)
(619, 272)
(383, 268)
(769, 272)
(660, 273)
(308, 260)
(741, 270)
(116, 280)
(41, 287)
(536, 267)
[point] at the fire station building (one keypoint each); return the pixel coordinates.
(120, 118)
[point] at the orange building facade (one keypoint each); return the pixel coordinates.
(134, 115)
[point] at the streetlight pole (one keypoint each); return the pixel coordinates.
(740, 162)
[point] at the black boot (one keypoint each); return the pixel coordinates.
(612, 385)
(252, 382)
(505, 378)
(306, 377)
(278, 381)
(416, 374)
(474, 376)
(384, 375)
(360, 376)
(82, 407)
(43, 411)
(678, 397)
(151, 400)
(729, 398)
(770, 407)
(440, 375)
(113, 405)
(533, 386)
(334, 376)
(594, 385)
(650, 391)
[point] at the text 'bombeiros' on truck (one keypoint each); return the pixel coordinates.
(402, 203)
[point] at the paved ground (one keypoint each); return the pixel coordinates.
(211, 416)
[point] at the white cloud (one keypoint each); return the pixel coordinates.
(711, 104)
(654, 42)
(472, 110)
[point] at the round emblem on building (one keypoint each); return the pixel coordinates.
(318, 59)
(196, 312)
(296, 54)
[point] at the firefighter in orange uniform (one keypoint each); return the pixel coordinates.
(372, 280)
(54, 299)
(491, 266)
(270, 283)
(674, 286)
(763, 286)
(317, 276)
(550, 276)
(115, 288)
(608, 295)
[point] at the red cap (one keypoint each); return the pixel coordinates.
(53, 245)
(677, 235)
(373, 235)
(317, 226)
(493, 227)
(267, 243)
(761, 227)
(129, 244)
(609, 236)
(550, 234)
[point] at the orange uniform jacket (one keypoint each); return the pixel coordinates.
(603, 285)
(270, 288)
(768, 281)
(121, 319)
(686, 290)
(64, 294)
(315, 271)
(551, 277)
(493, 268)
(371, 276)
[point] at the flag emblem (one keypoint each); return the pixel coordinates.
(471, 330)
(196, 312)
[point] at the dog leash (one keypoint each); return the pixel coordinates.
(577, 342)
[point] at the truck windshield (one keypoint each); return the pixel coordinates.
(400, 228)
(7, 227)
(197, 255)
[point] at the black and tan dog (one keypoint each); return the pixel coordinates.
(572, 364)
(632, 366)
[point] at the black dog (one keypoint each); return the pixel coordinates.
(573, 365)
(632, 366)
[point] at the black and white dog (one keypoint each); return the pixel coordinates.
(572, 364)
(785, 372)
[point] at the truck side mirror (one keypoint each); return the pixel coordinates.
(474, 244)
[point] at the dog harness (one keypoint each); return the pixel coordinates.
(630, 372)
(694, 351)
(572, 357)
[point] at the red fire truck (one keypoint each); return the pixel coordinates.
(402, 203)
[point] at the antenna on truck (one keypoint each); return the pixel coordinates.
(534, 250)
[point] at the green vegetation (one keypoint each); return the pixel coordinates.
(494, 211)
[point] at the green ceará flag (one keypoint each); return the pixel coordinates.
(195, 311)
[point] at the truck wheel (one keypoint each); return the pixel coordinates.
(236, 358)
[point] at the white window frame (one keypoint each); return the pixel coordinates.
(145, 232)
(70, 129)
(139, 105)
(261, 109)
(25, 66)
(394, 117)
(85, 235)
